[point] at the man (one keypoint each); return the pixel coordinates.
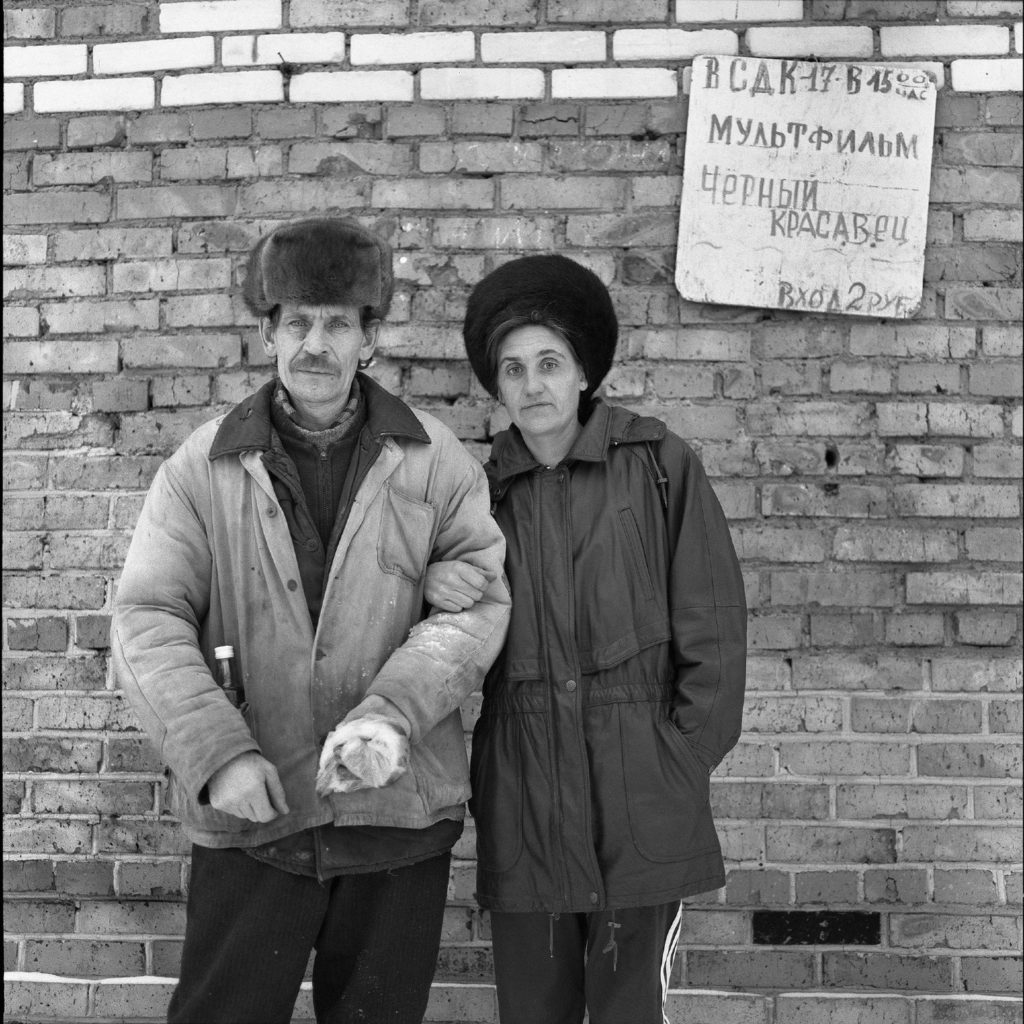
(297, 530)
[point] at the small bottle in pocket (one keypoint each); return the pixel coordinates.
(229, 677)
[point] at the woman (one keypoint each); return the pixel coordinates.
(620, 686)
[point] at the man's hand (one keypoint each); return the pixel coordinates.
(366, 753)
(248, 787)
(454, 586)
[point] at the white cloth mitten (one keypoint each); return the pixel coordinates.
(366, 753)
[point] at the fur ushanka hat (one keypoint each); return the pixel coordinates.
(538, 289)
(324, 261)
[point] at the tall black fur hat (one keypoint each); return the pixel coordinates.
(542, 289)
(324, 261)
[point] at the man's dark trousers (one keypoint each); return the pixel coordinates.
(251, 928)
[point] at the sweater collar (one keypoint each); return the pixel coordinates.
(248, 427)
(605, 427)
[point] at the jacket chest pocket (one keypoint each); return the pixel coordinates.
(406, 535)
(636, 548)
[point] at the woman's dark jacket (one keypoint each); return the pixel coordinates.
(620, 686)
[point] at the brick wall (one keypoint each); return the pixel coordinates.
(871, 468)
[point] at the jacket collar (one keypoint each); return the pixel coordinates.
(606, 426)
(248, 426)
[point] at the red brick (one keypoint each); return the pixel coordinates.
(819, 844)
(887, 971)
(45, 633)
(175, 201)
(897, 886)
(28, 876)
(947, 931)
(998, 802)
(993, 974)
(53, 673)
(84, 877)
(150, 878)
(131, 754)
(986, 628)
(756, 800)
(57, 208)
(130, 918)
(31, 133)
(25, 835)
(225, 123)
(973, 888)
(757, 969)
(965, 842)
(968, 760)
(85, 957)
(90, 20)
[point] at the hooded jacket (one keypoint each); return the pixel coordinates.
(621, 684)
(212, 562)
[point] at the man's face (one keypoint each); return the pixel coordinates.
(317, 349)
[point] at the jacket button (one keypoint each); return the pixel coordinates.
(292, 585)
(271, 511)
(570, 685)
(593, 897)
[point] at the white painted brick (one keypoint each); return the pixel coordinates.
(350, 86)
(481, 83)
(40, 61)
(612, 83)
(739, 10)
(24, 249)
(852, 41)
(94, 94)
(542, 47)
(152, 55)
(14, 97)
(982, 8)
(233, 87)
(987, 75)
(298, 48)
(926, 40)
(667, 43)
(1018, 37)
(412, 47)
(219, 15)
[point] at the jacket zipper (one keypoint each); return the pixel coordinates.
(555, 823)
(581, 740)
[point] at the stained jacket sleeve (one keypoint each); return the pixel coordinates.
(162, 597)
(446, 655)
(708, 610)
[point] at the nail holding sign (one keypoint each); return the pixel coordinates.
(805, 185)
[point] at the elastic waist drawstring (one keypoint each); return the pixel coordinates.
(552, 918)
(611, 946)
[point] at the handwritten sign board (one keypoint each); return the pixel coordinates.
(805, 185)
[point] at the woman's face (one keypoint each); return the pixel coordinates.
(539, 381)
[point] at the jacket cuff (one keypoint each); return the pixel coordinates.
(374, 704)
